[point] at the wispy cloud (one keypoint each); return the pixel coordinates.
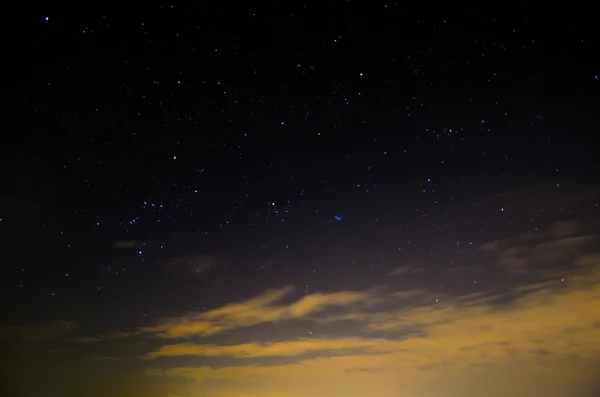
(277, 349)
(405, 339)
(101, 338)
(542, 331)
(258, 310)
(563, 243)
(462, 333)
(409, 337)
(401, 270)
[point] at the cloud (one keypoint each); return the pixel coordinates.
(557, 231)
(276, 349)
(372, 307)
(101, 338)
(562, 244)
(407, 294)
(405, 270)
(38, 332)
(548, 330)
(542, 335)
(254, 311)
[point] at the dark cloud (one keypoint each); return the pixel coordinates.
(562, 244)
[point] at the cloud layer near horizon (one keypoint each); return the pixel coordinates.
(264, 308)
(549, 329)
(542, 333)
(405, 339)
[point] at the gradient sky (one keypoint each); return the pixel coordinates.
(296, 200)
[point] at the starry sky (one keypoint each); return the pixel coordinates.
(294, 199)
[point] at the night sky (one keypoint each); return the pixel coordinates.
(286, 200)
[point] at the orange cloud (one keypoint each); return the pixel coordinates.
(541, 334)
(277, 349)
(257, 310)
(551, 326)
